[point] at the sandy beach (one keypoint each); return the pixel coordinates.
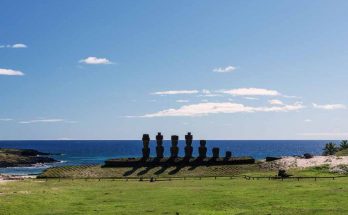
(298, 162)
(8, 178)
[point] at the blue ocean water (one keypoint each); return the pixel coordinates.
(75, 152)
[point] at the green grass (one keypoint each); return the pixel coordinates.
(343, 152)
(206, 196)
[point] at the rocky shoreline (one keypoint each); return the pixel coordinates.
(23, 157)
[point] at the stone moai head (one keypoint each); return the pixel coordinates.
(174, 150)
(159, 139)
(216, 152)
(146, 140)
(159, 147)
(202, 150)
(175, 140)
(188, 138)
(202, 143)
(146, 149)
(228, 154)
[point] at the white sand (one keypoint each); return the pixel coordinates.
(296, 162)
(9, 178)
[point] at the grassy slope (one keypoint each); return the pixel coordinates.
(98, 172)
(226, 170)
(206, 196)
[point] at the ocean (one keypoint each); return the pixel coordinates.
(76, 152)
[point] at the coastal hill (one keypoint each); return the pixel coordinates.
(23, 157)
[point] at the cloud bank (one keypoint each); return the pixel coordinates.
(251, 92)
(203, 109)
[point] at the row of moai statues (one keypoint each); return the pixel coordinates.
(174, 149)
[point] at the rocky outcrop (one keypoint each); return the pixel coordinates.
(23, 157)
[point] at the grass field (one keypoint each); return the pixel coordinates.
(177, 196)
(206, 196)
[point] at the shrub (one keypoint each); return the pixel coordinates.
(330, 149)
(344, 144)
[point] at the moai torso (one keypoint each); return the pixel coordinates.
(146, 149)
(228, 154)
(188, 148)
(159, 147)
(174, 150)
(216, 152)
(202, 150)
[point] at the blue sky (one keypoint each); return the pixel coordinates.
(220, 69)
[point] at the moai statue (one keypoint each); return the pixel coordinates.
(216, 152)
(228, 154)
(174, 150)
(159, 147)
(146, 149)
(188, 148)
(202, 149)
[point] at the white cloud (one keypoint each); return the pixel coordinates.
(205, 91)
(11, 72)
(182, 101)
(95, 61)
(208, 93)
(308, 120)
(225, 69)
(53, 120)
(5, 119)
(14, 46)
(176, 92)
(275, 102)
(329, 106)
(251, 92)
(19, 46)
(202, 109)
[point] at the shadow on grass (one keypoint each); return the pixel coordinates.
(176, 170)
(143, 172)
(162, 170)
(130, 172)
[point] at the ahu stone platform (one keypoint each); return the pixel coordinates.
(153, 162)
(174, 159)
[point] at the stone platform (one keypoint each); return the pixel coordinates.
(153, 162)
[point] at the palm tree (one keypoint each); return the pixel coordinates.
(344, 144)
(330, 149)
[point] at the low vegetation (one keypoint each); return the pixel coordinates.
(332, 149)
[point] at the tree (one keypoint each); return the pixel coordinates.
(330, 149)
(344, 144)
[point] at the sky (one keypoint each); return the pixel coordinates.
(219, 69)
